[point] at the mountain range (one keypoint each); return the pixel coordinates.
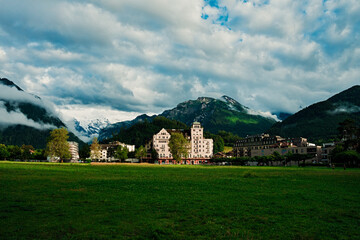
(26, 118)
(319, 121)
(88, 129)
(224, 114)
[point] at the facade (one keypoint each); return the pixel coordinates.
(265, 145)
(326, 152)
(313, 150)
(107, 150)
(200, 149)
(74, 151)
(200, 146)
(244, 147)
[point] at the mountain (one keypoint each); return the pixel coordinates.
(282, 115)
(115, 128)
(88, 129)
(214, 114)
(143, 130)
(25, 118)
(221, 114)
(319, 122)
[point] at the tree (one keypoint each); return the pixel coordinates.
(179, 146)
(57, 145)
(26, 151)
(348, 158)
(15, 152)
(278, 156)
(95, 150)
(4, 153)
(349, 134)
(84, 151)
(140, 153)
(154, 155)
(39, 154)
(121, 153)
(218, 142)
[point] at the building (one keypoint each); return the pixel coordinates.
(244, 147)
(265, 145)
(107, 150)
(74, 151)
(200, 146)
(326, 151)
(200, 149)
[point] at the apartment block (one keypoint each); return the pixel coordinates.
(74, 151)
(200, 147)
(264, 145)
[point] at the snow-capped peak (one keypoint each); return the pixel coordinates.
(87, 129)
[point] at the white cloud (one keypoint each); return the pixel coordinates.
(147, 56)
(2, 55)
(89, 112)
(12, 94)
(17, 117)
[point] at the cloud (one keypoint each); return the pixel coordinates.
(264, 114)
(85, 114)
(345, 108)
(17, 117)
(147, 56)
(89, 112)
(12, 94)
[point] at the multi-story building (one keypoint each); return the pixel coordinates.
(244, 147)
(200, 149)
(200, 146)
(74, 151)
(264, 145)
(327, 149)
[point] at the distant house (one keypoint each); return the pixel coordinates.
(107, 150)
(200, 149)
(219, 155)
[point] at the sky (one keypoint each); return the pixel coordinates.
(120, 58)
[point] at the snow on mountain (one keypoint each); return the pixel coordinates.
(87, 129)
(236, 106)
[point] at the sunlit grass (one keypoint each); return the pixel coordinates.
(83, 201)
(235, 119)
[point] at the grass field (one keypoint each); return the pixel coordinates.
(63, 201)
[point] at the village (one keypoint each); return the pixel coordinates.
(200, 150)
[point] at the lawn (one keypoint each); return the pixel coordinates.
(64, 201)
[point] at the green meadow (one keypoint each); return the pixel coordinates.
(81, 201)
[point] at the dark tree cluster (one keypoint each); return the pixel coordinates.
(25, 152)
